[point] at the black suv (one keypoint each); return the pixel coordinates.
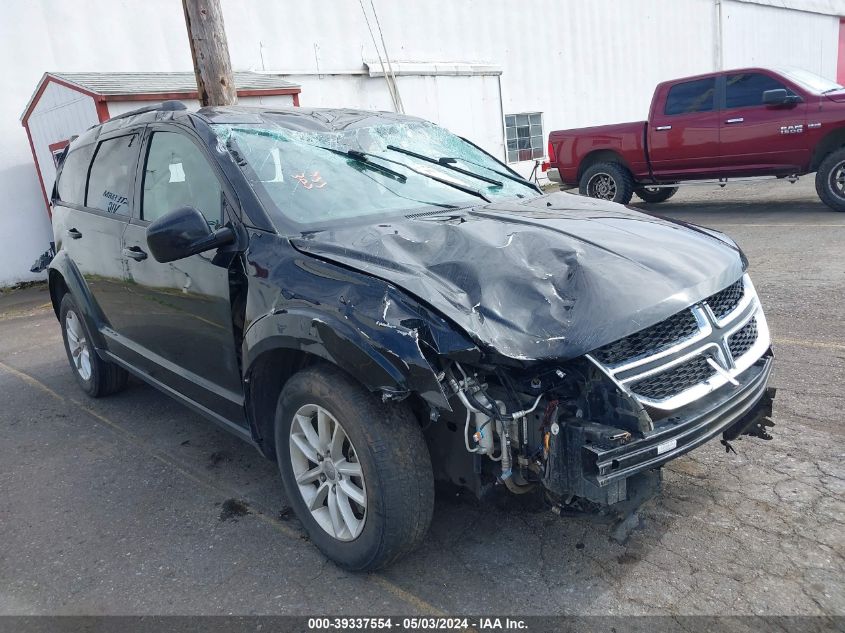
(376, 303)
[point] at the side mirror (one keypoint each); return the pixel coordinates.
(184, 232)
(779, 96)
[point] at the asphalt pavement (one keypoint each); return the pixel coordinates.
(133, 504)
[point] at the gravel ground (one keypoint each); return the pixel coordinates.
(134, 505)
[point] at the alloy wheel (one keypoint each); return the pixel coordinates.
(837, 180)
(80, 351)
(328, 473)
(602, 186)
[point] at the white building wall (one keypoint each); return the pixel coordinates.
(116, 108)
(580, 62)
(757, 35)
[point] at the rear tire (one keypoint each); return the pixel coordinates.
(366, 499)
(95, 376)
(830, 180)
(653, 196)
(607, 181)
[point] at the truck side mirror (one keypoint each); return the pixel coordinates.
(779, 96)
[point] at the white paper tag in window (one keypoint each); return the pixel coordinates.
(177, 174)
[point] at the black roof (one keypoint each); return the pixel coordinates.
(304, 119)
(294, 118)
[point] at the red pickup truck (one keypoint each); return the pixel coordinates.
(730, 124)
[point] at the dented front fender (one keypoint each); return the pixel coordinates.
(364, 325)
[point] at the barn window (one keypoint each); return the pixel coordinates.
(524, 133)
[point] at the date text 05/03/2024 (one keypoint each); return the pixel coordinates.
(417, 623)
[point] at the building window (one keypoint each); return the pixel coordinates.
(524, 133)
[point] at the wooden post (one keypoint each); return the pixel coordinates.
(210, 52)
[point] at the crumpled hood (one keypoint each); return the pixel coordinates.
(551, 277)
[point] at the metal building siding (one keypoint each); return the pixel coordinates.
(757, 35)
(580, 62)
(59, 114)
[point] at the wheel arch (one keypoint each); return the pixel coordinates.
(601, 156)
(58, 288)
(833, 140)
(63, 277)
(271, 359)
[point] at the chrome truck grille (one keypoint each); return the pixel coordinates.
(693, 352)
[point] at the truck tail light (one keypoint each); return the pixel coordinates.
(552, 157)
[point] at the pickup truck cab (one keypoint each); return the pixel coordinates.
(731, 124)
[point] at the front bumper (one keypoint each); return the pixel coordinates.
(597, 471)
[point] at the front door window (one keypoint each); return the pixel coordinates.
(178, 175)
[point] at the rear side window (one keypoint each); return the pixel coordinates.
(746, 89)
(71, 184)
(110, 181)
(691, 96)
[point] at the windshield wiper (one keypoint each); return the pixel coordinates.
(447, 163)
(824, 92)
(361, 157)
(444, 181)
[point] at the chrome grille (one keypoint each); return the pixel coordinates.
(725, 301)
(675, 380)
(740, 342)
(693, 352)
(653, 339)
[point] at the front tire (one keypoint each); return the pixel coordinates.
(607, 181)
(356, 470)
(830, 180)
(653, 196)
(95, 376)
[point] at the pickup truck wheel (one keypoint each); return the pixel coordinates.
(607, 181)
(356, 470)
(653, 195)
(830, 180)
(96, 376)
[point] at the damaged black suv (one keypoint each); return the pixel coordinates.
(376, 303)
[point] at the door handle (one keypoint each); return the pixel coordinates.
(661, 128)
(739, 120)
(135, 252)
(74, 234)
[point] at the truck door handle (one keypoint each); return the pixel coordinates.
(74, 234)
(135, 252)
(739, 120)
(661, 128)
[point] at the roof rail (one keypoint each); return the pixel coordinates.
(164, 106)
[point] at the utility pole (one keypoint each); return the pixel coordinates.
(210, 52)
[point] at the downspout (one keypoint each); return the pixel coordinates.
(718, 55)
(502, 121)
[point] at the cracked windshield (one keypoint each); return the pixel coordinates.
(315, 177)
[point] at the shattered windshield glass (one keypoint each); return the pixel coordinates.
(318, 177)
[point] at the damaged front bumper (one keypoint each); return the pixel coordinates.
(584, 464)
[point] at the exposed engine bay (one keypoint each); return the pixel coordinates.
(590, 437)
